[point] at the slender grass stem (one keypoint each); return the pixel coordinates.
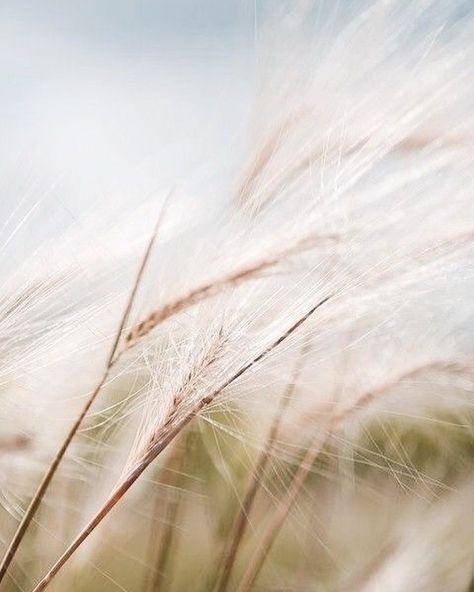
(174, 478)
(278, 520)
(337, 418)
(51, 470)
(241, 521)
(159, 445)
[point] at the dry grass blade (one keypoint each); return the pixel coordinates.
(158, 444)
(262, 159)
(304, 468)
(50, 472)
(278, 520)
(241, 520)
(213, 288)
(174, 478)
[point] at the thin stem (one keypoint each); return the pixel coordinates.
(242, 519)
(297, 482)
(50, 472)
(159, 446)
(215, 287)
(115, 354)
(175, 480)
(258, 559)
(338, 418)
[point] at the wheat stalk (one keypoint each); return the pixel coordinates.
(51, 470)
(304, 468)
(242, 518)
(159, 442)
(131, 339)
(215, 287)
(173, 477)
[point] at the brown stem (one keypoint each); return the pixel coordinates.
(278, 520)
(159, 446)
(164, 543)
(338, 418)
(241, 520)
(217, 286)
(51, 470)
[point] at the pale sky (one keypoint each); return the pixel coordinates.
(117, 96)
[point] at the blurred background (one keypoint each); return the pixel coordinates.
(105, 99)
(105, 104)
